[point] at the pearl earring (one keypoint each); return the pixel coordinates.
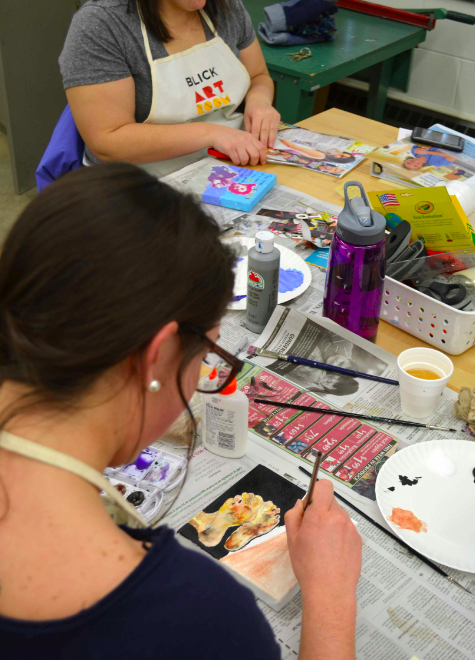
(154, 386)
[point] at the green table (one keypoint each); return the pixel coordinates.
(379, 48)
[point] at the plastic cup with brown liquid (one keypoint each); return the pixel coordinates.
(423, 375)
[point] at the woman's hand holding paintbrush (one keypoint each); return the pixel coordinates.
(325, 551)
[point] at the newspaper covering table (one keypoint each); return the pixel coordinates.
(405, 609)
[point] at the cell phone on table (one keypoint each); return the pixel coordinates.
(438, 139)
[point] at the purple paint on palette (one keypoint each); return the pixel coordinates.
(164, 470)
(144, 460)
(290, 279)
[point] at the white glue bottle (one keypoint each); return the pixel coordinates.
(465, 193)
(224, 422)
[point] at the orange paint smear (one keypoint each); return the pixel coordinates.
(266, 565)
(407, 520)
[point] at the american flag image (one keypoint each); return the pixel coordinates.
(388, 200)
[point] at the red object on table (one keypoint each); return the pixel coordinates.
(399, 15)
(217, 154)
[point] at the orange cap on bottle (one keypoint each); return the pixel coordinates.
(231, 388)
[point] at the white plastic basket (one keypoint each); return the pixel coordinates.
(440, 325)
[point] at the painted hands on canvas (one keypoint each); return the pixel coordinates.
(244, 529)
(248, 512)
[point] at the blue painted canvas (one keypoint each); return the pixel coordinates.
(235, 187)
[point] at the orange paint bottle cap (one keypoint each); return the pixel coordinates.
(231, 388)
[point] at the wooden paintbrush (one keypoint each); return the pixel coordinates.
(314, 475)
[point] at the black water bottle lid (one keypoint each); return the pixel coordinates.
(357, 223)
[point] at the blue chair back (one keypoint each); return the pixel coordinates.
(64, 152)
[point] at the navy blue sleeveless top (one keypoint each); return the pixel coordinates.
(176, 605)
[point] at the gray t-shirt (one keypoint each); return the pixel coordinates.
(105, 43)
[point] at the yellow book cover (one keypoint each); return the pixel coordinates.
(436, 218)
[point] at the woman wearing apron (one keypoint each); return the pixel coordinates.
(112, 286)
(158, 82)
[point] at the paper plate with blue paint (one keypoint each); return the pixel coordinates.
(295, 274)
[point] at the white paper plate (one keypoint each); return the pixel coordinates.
(445, 503)
(289, 261)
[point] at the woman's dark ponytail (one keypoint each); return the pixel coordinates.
(94, 266)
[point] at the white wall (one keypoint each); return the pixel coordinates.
(443, 71)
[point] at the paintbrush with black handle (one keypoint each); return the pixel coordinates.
(436, 568)
(373, 418)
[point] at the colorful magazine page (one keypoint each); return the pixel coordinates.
(319, 258)
(230, 186)
(327, 154)
(360, 148)
(321, 225)
(421, 165)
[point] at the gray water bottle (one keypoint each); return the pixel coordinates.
(262, 281)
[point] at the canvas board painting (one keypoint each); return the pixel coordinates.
(244, 528)
(265, 567)
(227, 185)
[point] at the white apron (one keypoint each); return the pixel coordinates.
(204, 83)
(50, 456)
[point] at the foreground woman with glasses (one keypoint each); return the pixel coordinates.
(112, 287)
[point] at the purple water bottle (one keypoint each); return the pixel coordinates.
(356, 267)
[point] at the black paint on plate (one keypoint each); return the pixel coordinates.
(405, 481)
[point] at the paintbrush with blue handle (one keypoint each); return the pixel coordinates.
(261, 352)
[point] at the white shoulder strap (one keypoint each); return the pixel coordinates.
(50, 456)
(208, 22)
(147, 42)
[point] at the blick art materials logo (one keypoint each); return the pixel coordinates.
(255, 280)
(210, 99)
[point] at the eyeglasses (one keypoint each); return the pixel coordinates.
(226, 364)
